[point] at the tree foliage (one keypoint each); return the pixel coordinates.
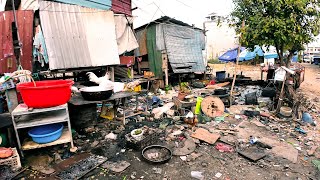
(285, 24)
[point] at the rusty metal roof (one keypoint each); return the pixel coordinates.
(25, 26)
(122, 7)
(77, 37)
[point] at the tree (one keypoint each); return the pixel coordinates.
(285, 24)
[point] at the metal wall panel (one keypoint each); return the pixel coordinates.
(78, 37)
(184, 48)
(25, 27)
(122, 7)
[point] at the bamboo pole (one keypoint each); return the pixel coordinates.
(235, 68)
(234, 76)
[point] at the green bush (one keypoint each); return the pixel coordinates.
(214, 61)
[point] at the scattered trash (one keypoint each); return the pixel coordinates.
(253, 140)
(301, 131)
(197, 175)
(316, 163)
(157, 170)
(111, 136)
(306, 117)
(223, 147)
(253, 154)
(116, 166)
(183, 158)
(218, 175)
(187, 148)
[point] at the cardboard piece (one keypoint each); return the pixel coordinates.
(205, 135)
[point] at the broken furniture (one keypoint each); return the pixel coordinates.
(77, 100)
(13, 161)
(23, 118)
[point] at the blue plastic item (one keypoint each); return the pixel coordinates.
(220, 75)
(46, 133)
(306, 117)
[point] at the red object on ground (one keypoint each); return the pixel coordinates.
(224, 148)
(46, 93)
(5, 152)
(212, 82)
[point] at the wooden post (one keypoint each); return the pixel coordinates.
(165, 68)
(234, 76)
(132, 73)
(235, 68)
(281, 94)
(112, 74)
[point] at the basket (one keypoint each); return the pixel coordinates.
(12, 161)
(147, 141)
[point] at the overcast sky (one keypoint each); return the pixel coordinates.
(189, 11)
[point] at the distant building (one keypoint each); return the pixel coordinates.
(220, 37)
(312, 48)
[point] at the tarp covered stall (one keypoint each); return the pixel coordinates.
(182, 43)
(184, 49)
(230, 55)
(78, 37)
(8, 61)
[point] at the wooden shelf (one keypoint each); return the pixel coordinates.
(41, 119)
(20, 110)
(65, 138)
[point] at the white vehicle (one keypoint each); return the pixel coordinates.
(307, 59)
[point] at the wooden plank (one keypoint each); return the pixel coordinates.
(254, 154)
(65, 138)
(205, 135)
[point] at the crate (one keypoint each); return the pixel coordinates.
(147, 141)
(7, 85)
(12, 161)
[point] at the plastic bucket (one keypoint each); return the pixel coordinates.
(46, 133)
(220, 75)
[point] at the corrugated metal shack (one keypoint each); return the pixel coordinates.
(68, 34)
(25, 26)
(76, 36)
(175, 40)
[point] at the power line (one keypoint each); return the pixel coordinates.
(183, 3)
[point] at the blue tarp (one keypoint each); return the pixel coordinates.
(295, 58)
(97, 4)
(248, 55)
(230, 55)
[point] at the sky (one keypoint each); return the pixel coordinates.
(189, 11)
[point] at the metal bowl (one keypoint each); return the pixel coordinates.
(96, 93)
(157, 154)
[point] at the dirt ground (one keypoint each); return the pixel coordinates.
(231, 165)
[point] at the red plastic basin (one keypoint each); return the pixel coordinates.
(46, 93)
